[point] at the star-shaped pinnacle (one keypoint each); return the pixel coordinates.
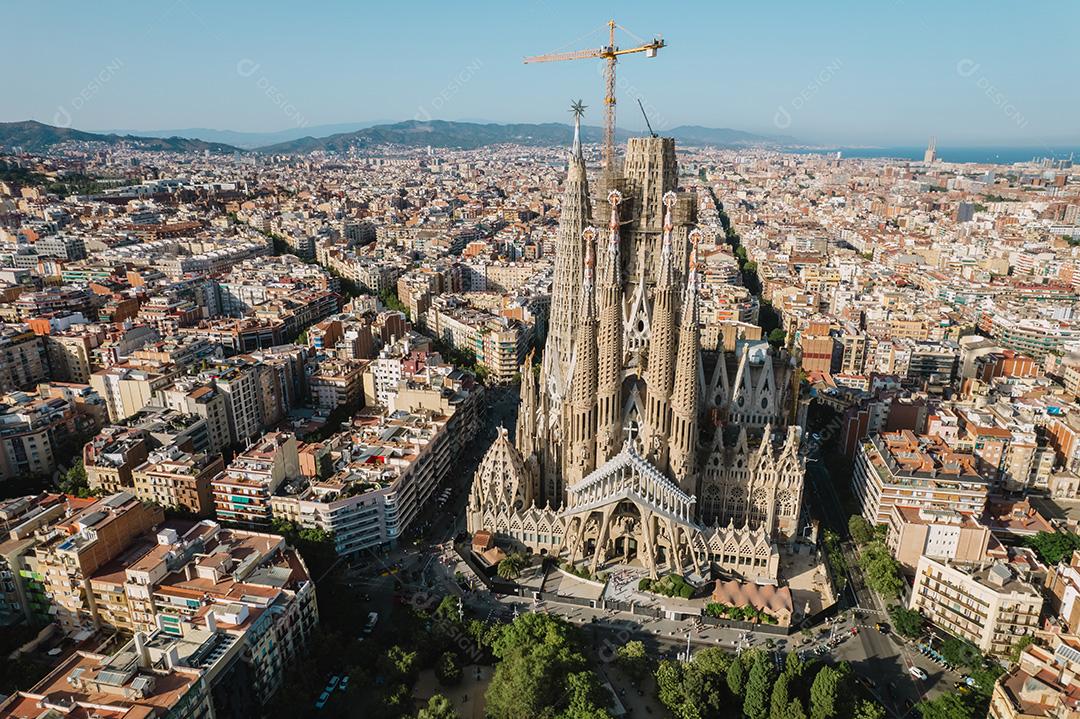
(578, 108)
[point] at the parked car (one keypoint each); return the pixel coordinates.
(372, 620)
(918, 673)
(344, 683)
(321, 701)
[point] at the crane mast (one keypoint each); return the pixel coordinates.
(610, 54)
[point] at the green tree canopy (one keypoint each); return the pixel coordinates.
(736, 677)
(869, 710)
(438, 707)
(448, 669)
(946, 706)
(825, 693)
(907, 622)
(632, 659)
(860, 529)
(758, 690)
(538, 654)
(881, 570)
(781, 696)
(1053, 547)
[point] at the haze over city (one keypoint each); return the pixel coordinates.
(843, 73)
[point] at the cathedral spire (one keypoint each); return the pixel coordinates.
(661, 363)
(581, 442)
(609, 341)
(578, 109)
(686, 397)
(574, 215)
(525, 432)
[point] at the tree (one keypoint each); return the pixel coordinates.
(698, 689)
(758, 687)
(448, 609)
(674, 692)
(736, 677)
(438, 707)
(825, 693)
(777, 337)
(960, 653)
(400, 664)
(632, 659)
(869, 710)
(448, 670)
(859, 529)
(585, 698)
(1018, 648)
(539, 656)
(511, 566)
(794, 666)
(75, 482)
(907, 622)
(781, 696)
(794, 710)
(1053, 547)
(881, 570)
(947, 706)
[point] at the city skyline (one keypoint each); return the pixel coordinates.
(846, 75)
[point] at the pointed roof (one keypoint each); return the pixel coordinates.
(501, 479)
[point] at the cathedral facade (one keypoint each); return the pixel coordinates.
(633, 443)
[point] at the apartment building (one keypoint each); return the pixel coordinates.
(130, 386)
(174, 478)
(1043, 684)
(337, 383)
(903, 468)
(386, 470)
(36, 430)
(78, 546)
(1063, 590)
(233, 609)
(243, 490)
(942, 534)
(205, 400)
(22, 593)
(71, 353)
(239, 384)
(23, 358)
(111, 457)
(125, 684)
(164, 426)
(499, 343)
(988, 604)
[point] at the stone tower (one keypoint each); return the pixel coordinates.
(575, 216)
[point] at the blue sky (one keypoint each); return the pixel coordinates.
(890, 73)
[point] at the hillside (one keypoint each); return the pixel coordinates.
(469, 135)
(34, 136)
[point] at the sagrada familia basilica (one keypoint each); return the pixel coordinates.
(634, 444)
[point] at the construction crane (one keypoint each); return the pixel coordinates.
(610, 53)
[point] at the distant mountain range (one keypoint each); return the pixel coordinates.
(250, 140)
(469, 135)
(35, 137)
